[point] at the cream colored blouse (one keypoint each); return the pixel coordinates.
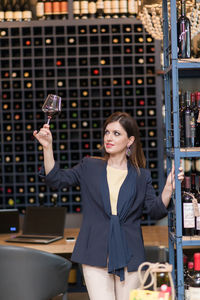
(115, 178)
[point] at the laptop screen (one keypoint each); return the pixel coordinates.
(44, 221)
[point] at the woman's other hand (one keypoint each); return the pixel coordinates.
(171, 177)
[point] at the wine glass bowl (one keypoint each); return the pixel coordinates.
(51, 106)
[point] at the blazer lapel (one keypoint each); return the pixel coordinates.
(127, 193)
(105, 191)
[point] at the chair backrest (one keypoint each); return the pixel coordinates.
(28, 274)
(156, 254)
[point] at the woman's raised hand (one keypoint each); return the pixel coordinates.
(44, 136)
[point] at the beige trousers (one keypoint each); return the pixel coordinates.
(104, 286)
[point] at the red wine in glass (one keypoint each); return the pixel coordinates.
(52, 106)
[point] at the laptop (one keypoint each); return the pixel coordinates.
(42, 225)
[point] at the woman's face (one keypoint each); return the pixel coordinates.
(116, 139)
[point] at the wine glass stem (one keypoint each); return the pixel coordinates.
(48, 121)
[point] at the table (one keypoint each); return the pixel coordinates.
(153, 236)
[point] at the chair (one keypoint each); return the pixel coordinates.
(29, 274)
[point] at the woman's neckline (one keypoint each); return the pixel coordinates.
(117, 168)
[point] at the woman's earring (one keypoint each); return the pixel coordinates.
(128, 151)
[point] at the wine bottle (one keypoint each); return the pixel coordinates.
(84, 9)
(2, 13)
(187, 278)
(48, 9)
(197, 139)
(115, 8)
(188, 122)
(181, 119)
(193, 185)
(8, 11)
(194, 288)
(76, 9)
(100, 9)
(17, 12)
(107, 8)
(132, 8)
(92, 8)
(188, 209)
(183, 34)
(26, 11)
(63, 9)
(40, 10)
(123, 8)
(56, 10)
(162, 277)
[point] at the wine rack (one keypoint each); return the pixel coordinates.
(174, 69)
(97, 67)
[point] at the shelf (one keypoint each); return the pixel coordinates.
(185, 152)
(191, 240)
(186, 240)
(192, 63)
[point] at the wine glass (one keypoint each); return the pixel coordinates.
(52, 106)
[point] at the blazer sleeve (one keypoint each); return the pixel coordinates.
(58, 178)
(153, 204)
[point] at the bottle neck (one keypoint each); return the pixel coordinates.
(183, 8)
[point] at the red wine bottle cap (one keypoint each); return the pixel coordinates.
(197, 261)
(190, 265)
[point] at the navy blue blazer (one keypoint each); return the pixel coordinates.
(92, 244)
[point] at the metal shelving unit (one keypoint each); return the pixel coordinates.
(172, 71)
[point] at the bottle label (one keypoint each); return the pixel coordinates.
(92, 7)
(107, 7)
(17, 15)
(27, 15)
(56, 8)
(84, 7)
(187, 126)
(198, 119)
(100, 4)
(123, 6)
(8, 15)
(47, 8)
(1, 15)
(194, 293)
(197, 164)
(198, 220)
(64, 7)
(188, 215)
(76, 7)
(115, 6)
(40, 9)
(132, 6)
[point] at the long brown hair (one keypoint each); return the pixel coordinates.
(129, 124)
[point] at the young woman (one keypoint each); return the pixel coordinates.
(114, 191)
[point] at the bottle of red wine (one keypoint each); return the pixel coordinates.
(17, 11)
(184, 34)
(197, 221)
(197, 139)
(188, 209)
(181, 119)
(195, 279)
(187, 279)
(1, 12)
(188, 122)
